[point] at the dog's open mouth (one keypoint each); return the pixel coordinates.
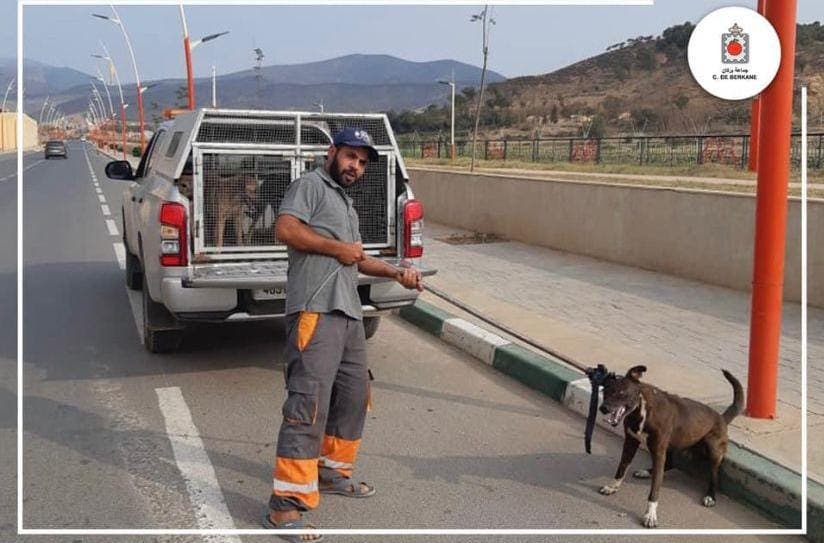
(615, 417)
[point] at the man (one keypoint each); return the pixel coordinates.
(326, 374)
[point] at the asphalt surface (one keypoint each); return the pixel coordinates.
(450, 443)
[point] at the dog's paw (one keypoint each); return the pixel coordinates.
(642, 474)
(651, 516)
(708, 501)
(608, 490)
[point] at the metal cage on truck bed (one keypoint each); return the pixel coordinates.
(243, 161)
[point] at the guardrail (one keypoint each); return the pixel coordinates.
(676, 150)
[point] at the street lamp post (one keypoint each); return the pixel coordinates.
(102, 106)
(123, 104)
(119, 22)
(214, 86)
(188, 46)
(40, 118)
(6, 95)
(112, 124)
(452, 141)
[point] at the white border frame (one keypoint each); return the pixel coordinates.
(260, 531)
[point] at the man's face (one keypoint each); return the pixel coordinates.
(347, 165)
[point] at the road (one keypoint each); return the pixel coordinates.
(115, 437)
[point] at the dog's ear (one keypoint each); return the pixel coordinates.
(636, 372)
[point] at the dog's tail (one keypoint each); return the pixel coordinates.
(737, 398)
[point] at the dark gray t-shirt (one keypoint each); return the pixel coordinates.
(320, 283)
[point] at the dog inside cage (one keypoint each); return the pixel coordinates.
(241, 196)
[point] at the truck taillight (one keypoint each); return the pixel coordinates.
(173, 249)
(413, 229)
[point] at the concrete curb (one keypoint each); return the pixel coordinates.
(746, 476)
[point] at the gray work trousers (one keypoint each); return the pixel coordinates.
(324, 413)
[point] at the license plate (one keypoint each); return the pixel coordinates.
(269, 294)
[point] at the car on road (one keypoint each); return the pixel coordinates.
(199, 214)
(55, 148)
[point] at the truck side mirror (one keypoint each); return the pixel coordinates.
(119, 169)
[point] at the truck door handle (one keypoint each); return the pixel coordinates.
(132, 198)
(140, 201)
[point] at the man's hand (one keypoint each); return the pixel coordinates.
(350, 253)
(410, 278)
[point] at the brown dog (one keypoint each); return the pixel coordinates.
(234, 197)
(666, 422)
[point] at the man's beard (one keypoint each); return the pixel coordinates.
(337, 175)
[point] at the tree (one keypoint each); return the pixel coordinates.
(645, 59)
(597, 128)
(182, 96)
(486, 23)
(553, 114)
(681, 101)
(612, 106)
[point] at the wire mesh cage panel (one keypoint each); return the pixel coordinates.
(247, 130)
(370, 197)
(241, 194)
(247, 160)
(256, 127)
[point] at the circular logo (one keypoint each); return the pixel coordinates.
(734, 53)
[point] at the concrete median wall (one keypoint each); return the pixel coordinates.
(8, 131)
(707, 236)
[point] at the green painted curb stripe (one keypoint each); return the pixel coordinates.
(425, 315)
(815, 512)
(533, 370)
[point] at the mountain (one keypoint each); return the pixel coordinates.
(640, 85)
(371, 70)
(356, 83)
(42, 79)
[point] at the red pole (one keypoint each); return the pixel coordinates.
(755, 126)
(755, 119)
(771, 219)
(123, 116)
(187, 46)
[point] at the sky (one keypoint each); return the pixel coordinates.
(526, 40)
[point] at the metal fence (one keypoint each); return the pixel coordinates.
(731, 150)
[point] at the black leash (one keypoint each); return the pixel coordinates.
(597, 377)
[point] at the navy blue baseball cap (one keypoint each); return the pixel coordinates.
(355, 137)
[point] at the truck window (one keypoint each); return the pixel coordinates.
(173, 144)
(153, 155)
(141, 168)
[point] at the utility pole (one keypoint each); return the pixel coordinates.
(259, 56)
(486, 22)
(214, 88)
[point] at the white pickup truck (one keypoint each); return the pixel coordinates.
(199, 214)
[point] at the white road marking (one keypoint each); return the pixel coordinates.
(98, 190)
(193, 462)
(14, 175)
(112, 227)
(120, 253)
(105, 209)
(101, 198)
(136, 303)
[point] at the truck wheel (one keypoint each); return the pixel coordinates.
(134, 275)
(162, 332)
(370, 325)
